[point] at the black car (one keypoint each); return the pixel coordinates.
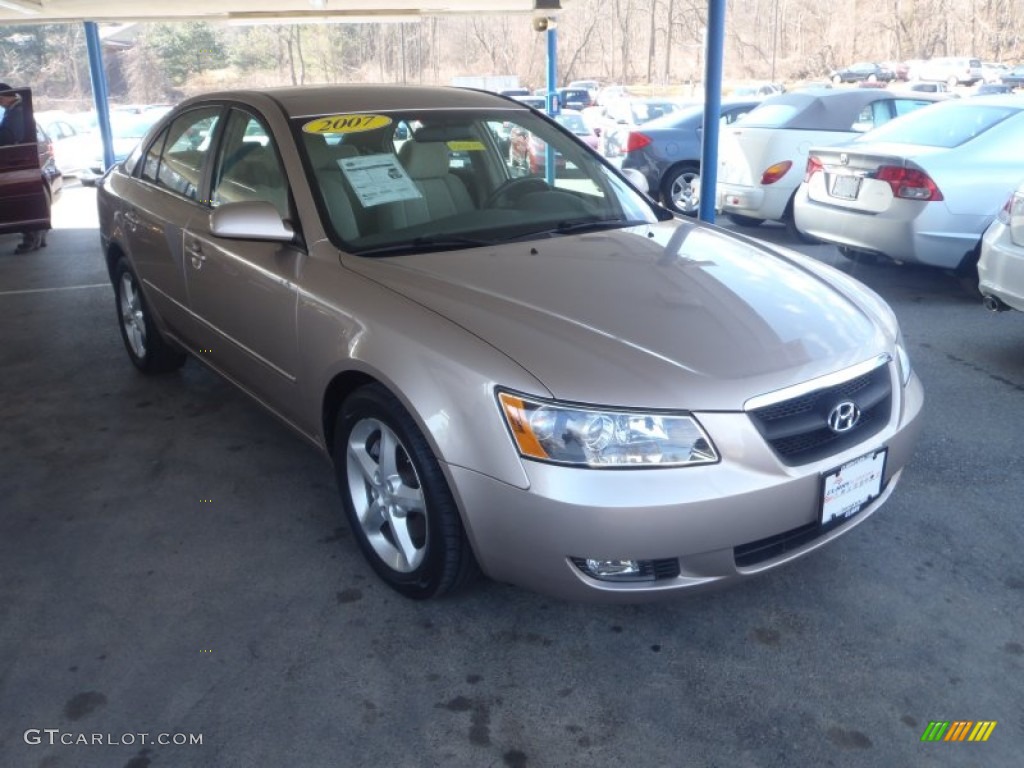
(1014, 78)
(863, 71)
(667, 152)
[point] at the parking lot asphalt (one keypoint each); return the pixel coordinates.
(174, 562)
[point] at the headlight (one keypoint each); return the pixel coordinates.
(581, 436)
(904, 360)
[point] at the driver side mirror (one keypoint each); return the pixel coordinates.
(250, 220)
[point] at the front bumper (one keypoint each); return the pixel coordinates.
(695, 516)
(1001, 267)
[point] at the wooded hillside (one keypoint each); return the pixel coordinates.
(638, 42)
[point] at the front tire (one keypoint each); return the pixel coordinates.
(396, 498)
(680, 189)
(147, 349)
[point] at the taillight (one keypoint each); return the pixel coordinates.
(909, 183)
(635, 141)
(813, 166)
(775, 172)
(1014, 205)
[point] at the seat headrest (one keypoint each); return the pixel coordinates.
(326, 155)
(425, 159)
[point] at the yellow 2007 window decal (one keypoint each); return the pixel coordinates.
(346, 123)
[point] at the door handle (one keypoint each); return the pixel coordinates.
(196, 254)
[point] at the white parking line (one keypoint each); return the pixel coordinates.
(48, 290)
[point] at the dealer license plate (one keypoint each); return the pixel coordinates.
(845, 186)
(847, 489)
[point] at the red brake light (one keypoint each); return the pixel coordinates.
(813, 166)
(635, 141)
(775, 172)
(909, 183)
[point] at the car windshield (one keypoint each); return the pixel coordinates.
(400, 182)
(947, 125)
(573, 123)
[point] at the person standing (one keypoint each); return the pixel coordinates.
(12, 124)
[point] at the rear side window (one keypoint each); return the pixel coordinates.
(957, 124)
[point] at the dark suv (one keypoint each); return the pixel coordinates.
(574, 98)
(30, 181)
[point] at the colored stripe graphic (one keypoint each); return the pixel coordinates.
(935, 730)
(982, 730)
(958, 730)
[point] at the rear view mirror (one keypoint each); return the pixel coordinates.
(251, 220)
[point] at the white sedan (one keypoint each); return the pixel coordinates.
(922, 189)
(1001, 268)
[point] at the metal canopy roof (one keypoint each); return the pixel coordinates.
(253, 11)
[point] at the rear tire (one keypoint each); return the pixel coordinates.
(745, 221)
(791, 228)
(680, 189)
(396, 498)
(146, 347)
(860, 257)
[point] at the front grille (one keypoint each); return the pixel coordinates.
(797, 429)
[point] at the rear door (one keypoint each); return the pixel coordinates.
(156, 209)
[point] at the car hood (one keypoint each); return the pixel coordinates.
(676, 315)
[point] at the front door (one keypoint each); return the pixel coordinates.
(244, 292)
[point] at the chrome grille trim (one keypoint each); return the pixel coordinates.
(813, 385)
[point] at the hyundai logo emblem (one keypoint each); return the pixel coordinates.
(843, 417)
(844, 159)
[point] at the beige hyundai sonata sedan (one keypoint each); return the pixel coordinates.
(541, 376)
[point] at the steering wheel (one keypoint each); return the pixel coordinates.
(513, 189)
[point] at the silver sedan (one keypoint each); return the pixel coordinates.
(922, 188)
(547, 378)
(1001, 268)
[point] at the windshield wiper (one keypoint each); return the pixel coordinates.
(426, 243)
(577, 226)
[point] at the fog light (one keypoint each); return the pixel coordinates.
(616, 570)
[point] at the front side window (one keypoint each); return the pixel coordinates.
(248, 167)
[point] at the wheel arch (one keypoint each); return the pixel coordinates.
(338, 388)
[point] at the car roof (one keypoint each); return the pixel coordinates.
(829, 109)
(302, 101)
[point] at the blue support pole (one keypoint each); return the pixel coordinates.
(713, 56)
(98, 78)
(553, 106)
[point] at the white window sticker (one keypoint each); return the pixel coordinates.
(378, 179)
